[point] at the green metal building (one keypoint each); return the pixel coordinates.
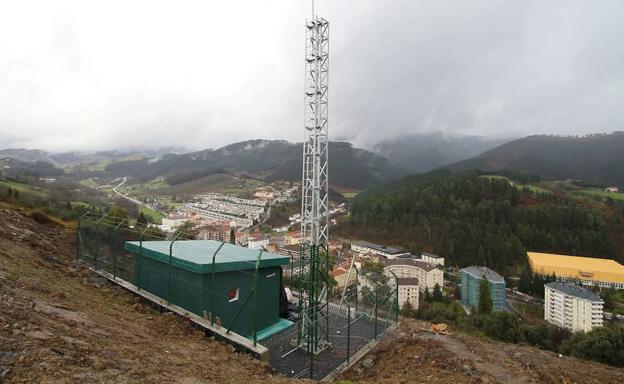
(236, 287)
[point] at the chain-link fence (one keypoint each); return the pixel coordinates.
(356, 314)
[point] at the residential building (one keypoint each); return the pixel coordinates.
(175, 220)
(432, 259)
(588, 271)
(612, 189)
(257, 242)
(342, 276)
(214, 232)
(364, 247)
(292, 238)
(427, 274)
(471, 282)
(572, 306)
(409, 291)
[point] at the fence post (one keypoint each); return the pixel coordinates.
(255, 316)
(138, 273)
(357, 284)
(396, 295)
(117, 245)
(376, 302)
(212, 284)
(348, 332)
(97, 234)
(175, 238)
(79, 235)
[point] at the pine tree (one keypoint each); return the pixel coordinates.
(232, 236)
(437, 294)
(10, 192)
(427, 295)
(485, 299)
(407, 309)
(525, 281)
(141, 220)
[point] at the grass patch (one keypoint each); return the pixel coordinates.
(595, 192)
(531, 187)
(156, 216)
(533, 313)
(31, 189)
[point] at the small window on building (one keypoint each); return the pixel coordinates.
(233, 294)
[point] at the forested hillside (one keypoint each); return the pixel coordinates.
(597, 159)
(475, 220)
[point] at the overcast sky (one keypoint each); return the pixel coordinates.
(120, 74)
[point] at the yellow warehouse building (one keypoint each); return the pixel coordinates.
(587, 270)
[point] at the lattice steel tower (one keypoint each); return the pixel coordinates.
(314, 324)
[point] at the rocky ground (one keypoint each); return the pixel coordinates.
(61, 323)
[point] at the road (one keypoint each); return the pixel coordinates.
(135, 201)
(268, 213)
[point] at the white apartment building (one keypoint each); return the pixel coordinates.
(571, 306)
(432, 259)
(428, 275)
(408, 290)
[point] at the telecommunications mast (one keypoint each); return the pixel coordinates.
(313, 333)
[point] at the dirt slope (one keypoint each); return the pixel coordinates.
(60, 323)
(415, 355)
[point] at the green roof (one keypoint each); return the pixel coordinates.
(196, 255)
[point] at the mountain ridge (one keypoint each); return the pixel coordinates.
(596, 158)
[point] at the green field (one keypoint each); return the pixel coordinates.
(156, 216)
(595, 192)
(349, 195)
(531, 187)
(31, 189)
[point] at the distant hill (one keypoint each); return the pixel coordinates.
(27, 155)
(269, 160)
(68, 159)
(594, 158)
(422, 152)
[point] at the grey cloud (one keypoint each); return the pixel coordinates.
(162, 74)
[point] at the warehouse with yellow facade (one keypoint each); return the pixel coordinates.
(587, 270)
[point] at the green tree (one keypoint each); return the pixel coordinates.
(68, 205)
(525, 281)
(427, 295)
(502, 326)
(407, 309)
(9, 192)
(605, 345)
(141, 220)
(118, 212)
(232, 236)
(437, 294)
(485, 299)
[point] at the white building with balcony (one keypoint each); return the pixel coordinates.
(427, 274)
(572, 307)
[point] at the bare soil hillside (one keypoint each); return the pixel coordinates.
(61, 323)
(413, 354)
